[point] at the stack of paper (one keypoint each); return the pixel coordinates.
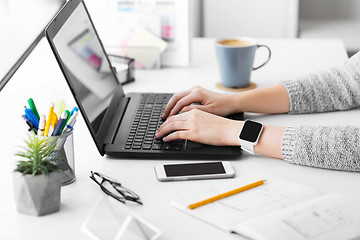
(278, 209)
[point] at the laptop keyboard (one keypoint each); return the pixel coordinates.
(146, 122)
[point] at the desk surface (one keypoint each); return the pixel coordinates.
(40, 75)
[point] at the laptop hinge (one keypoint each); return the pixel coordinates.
(116, 121)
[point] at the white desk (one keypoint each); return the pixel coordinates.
(40, 74)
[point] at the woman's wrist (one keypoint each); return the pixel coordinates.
(232, 132)
(273, 99)
(236, 103)
(270, 141)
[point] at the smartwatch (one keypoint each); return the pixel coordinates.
(249, 135)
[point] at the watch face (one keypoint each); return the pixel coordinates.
(250, 131)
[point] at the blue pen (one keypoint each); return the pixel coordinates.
(73, 110)
(30, 115)
(60, 124)
(31, 126)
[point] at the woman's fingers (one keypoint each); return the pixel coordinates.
(185, 101)
(173, 100)
(173, 123)
(195, 106)
(201, 127)
(180, 100)
(177, 135)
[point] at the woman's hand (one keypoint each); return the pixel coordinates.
(202, 127)
(211, 102)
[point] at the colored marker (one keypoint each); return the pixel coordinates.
(33, 108)
(68, 128)
(42, 124)
(54, 119)
(60, 124)
(71, 122)
(59, 107)
(48, 122)
(67, 119)
(73, 110)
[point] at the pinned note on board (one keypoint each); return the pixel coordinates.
(145, 47)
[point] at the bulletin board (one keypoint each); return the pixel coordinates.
(165, 19)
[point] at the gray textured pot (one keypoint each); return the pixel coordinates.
(37, 195)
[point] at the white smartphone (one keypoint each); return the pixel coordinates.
(189, 171)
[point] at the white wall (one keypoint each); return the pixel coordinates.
(21, 21)
(256, 18)
(329, 9)
(196, 21)
(331, 19)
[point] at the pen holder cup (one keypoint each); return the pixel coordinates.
(64, 158)
(124, 68)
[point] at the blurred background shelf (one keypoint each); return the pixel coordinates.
(279, 19)
(331, 19)
(348, 30)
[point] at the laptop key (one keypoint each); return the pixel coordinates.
(156, 146)
(166, 146)
(146, 146)
(158, 141)
(177, 148)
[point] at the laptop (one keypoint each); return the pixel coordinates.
(122, 125)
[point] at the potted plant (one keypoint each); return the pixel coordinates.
(37, 179)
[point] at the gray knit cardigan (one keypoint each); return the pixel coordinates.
(337, 147)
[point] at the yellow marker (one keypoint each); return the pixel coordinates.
(59, 107)
(227, 194)
(48, 122)
(54, 119)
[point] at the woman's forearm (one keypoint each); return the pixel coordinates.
(270, 141)
(273, 99)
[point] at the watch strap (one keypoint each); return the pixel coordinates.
(247, 146)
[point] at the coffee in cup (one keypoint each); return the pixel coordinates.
(235, 43)
(236, 58)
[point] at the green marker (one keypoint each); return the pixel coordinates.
(67, 119)
(33, 107)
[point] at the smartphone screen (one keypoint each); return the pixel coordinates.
(190, 169)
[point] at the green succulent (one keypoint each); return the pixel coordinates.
(40, 153)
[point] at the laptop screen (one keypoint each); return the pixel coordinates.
(87, 68)
(22, 24)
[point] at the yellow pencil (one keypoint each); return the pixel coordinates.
(48, 122)
(227, 194)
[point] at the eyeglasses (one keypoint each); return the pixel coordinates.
(114, 189)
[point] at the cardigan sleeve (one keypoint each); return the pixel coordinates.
(335, 147)
(337, 88)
